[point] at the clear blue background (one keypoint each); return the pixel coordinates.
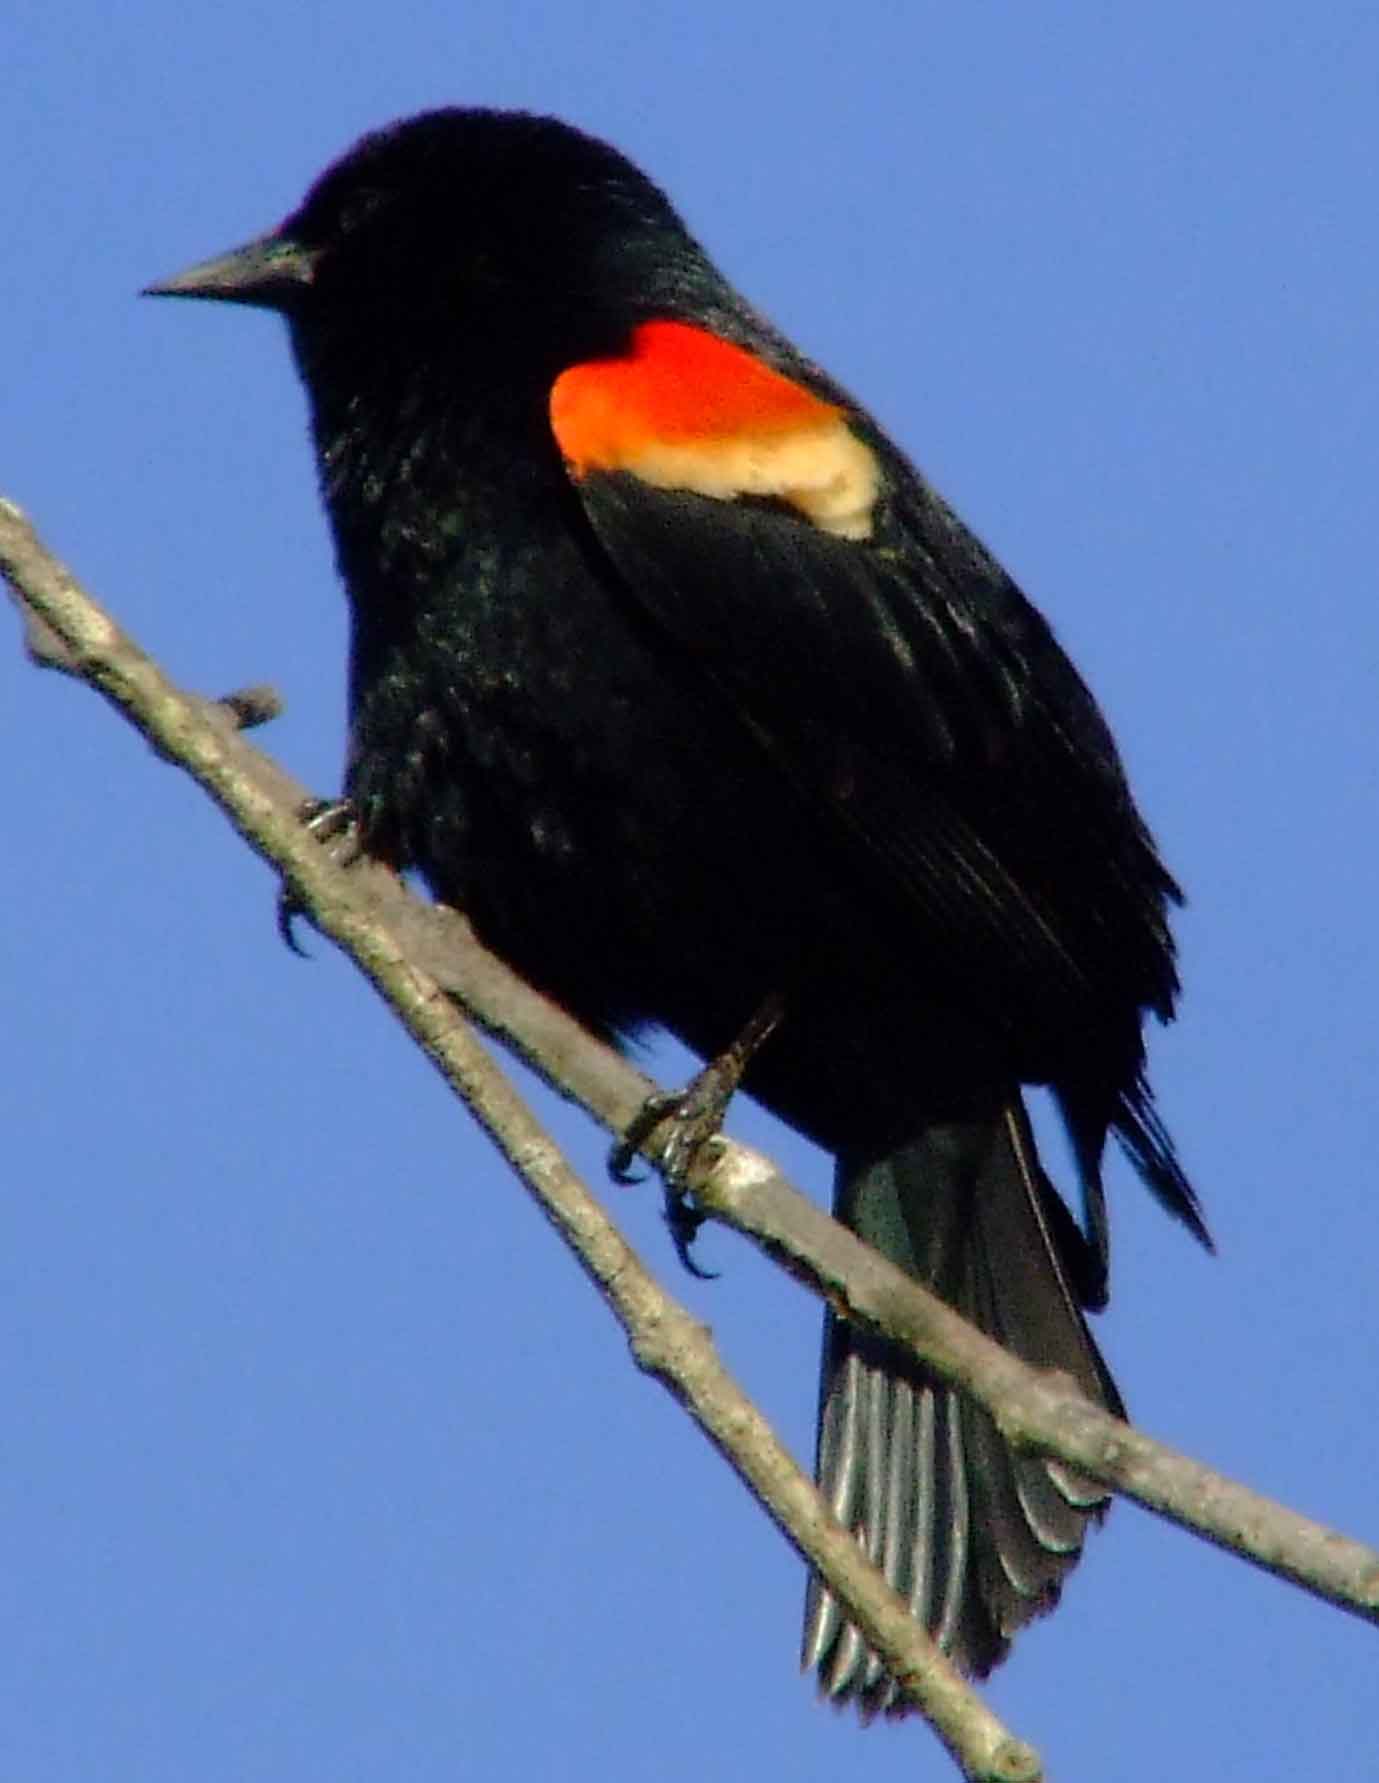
(320, 1460)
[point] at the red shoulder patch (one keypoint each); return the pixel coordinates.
(678, 385)
(683, 409)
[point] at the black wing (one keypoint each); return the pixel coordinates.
(927, 706)
(906, 683)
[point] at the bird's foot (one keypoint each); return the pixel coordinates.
(693, 1116)
(334, 823)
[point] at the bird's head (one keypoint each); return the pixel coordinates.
(461, 232)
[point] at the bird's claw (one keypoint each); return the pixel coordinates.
(684, 1220)
(694, 1116)
(622, 1156)
(333, 823)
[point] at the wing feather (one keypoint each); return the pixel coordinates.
(907, 683)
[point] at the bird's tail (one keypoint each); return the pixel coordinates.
(975, 1537)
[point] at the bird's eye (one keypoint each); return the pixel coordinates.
(351, 212)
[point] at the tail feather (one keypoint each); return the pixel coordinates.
(976, 1538)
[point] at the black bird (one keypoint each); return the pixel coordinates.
(676, 675)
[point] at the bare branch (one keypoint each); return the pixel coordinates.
(1040, 1411)
(356, 909)
(252, 706)
(420, 956)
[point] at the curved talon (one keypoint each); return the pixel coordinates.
(684, 1222)
(623, 1165)
(328, 820)
(290, 910)
(622, 1155)
(694, 1115)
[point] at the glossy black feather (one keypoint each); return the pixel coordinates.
(975, 1538)
(675, 754)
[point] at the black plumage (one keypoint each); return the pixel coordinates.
(675, 752)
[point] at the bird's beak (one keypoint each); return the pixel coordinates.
(272, 272)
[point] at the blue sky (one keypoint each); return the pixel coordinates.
(320, 1459)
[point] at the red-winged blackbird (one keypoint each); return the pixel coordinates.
(676, 676)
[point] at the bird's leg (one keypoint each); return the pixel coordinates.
(334, 823)
(694, 1115)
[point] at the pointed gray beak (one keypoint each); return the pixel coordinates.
(272, 272)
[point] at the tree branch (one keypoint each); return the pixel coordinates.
(394, 939)
(420, 956)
